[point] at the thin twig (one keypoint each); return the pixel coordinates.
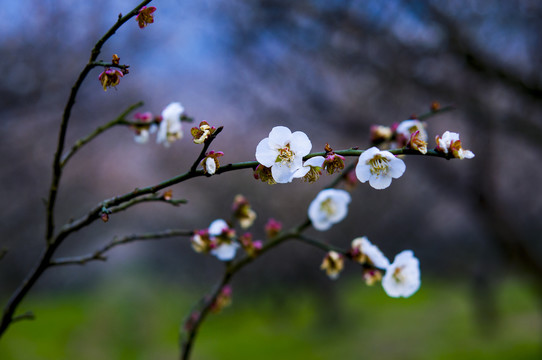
(3, 253)
(99, 254)
(150, 198)
(120, 120)
(29, 315)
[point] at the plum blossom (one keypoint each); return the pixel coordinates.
(224, 245)
(329, 207)
(333, 264)
(402, 277)
(379, 167)
(170, 126)
(450, 143)
(408, 127)
(283, 152)
(364, 251)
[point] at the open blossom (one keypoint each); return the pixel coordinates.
(364, 251)
(283, 152)
(333, 264)
(170, 126)
(329, 207)
(450, 143)
(402, 277)
(224, 245)
(379, 167)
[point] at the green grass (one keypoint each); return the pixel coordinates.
(139, 319)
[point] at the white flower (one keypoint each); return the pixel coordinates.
(449, 142)
(170, 126)
(225, 250)
(408, 127)
(283, 152)
(329, 207)
(402, 277)
(379, 167)
(372, 252)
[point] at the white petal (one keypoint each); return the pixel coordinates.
(380, 182)
(225, 252)
(315, 161)
(397, 167)
(302, 171)
(368, 154)
(279, 137)
(282, 173)
(363, 172)
(300, 144)
(266, 155)
(374, 254)
(210, 166)
(217, 226)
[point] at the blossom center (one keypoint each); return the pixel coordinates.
(379, 165)
(398, 276)
(286, 155)
(329, 207)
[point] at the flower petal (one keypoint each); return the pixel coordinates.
(282, 173)
(225, 252)
(363, 171)
(279, 137)
(300, 144)
(397, 167)
(265, 155)
(380, 182)
(217, 227)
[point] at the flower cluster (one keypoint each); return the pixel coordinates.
(218, 239)
(281, 160)
(401, 278)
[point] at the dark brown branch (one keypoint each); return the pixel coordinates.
(99, 254)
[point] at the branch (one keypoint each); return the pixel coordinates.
(51, 241)
(57, 167)
(200, 311)
(99, 254)
(120, 120)
(3, 253)
(150, 198)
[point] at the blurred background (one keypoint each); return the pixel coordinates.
(330, 69)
